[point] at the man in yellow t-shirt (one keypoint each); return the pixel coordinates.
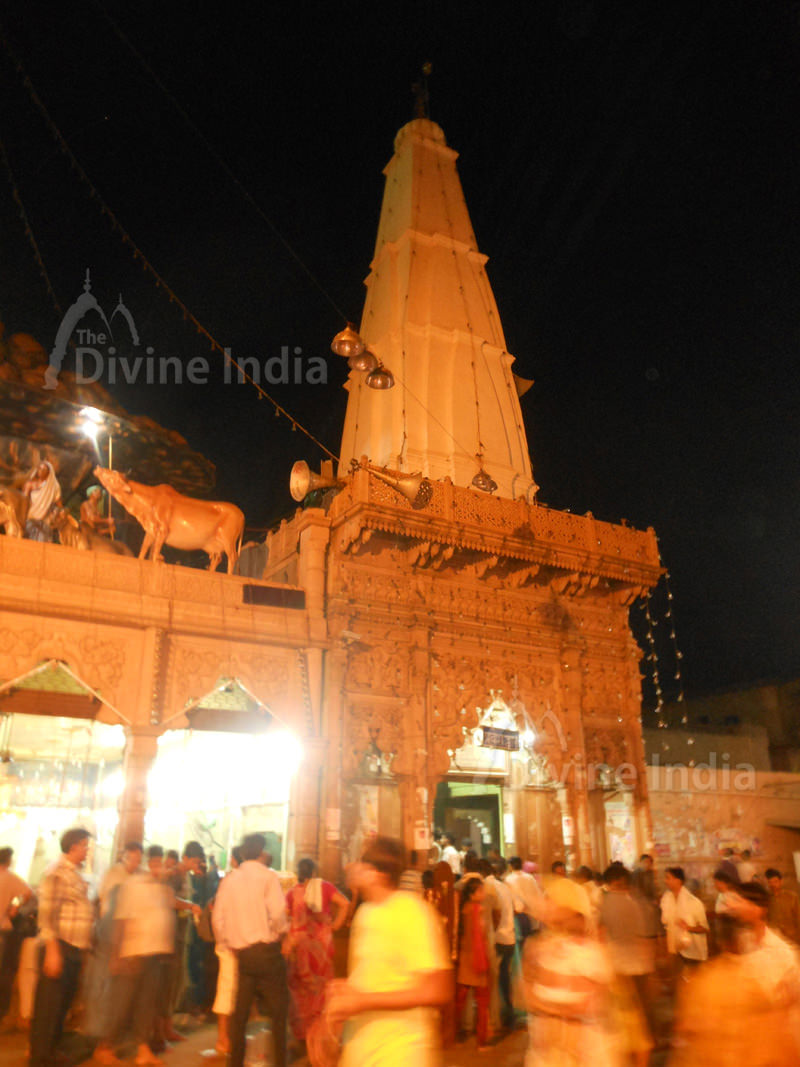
(399, 970)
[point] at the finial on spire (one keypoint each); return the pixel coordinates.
(420, 91)
(87, 285)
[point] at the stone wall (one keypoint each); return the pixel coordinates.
(698, 812)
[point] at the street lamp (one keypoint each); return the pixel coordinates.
(93, 422)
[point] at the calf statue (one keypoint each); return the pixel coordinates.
(79, 535)
(170, 518)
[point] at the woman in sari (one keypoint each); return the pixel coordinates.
(473, 957)
(316, 909)
(43, 493)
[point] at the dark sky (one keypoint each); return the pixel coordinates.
(632, 171)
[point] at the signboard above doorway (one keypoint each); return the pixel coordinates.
(495, 737)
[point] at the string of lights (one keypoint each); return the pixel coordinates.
(31, 236)
(218, 159)
(141, 258)
(656, 670)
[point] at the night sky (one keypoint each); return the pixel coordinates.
(632, 172)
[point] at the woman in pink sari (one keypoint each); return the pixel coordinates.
(316, 909)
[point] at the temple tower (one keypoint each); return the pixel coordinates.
(430, 316)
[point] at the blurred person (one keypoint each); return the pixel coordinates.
(491, 920)
(472, 972)
(505, 939)
(746, 867)
(684, 917)
(450, 853)
(726, 886)
(191, 946)
(646, 891)
(13, 893)
(227, 978)
(772, 961)
(143, 940)
(622, 927)
(399, 969)
(527, 896)
(97, 979)
(784, 907)
(567, 980)
(558, 869)
(168, 869)
(316, 910)
(584, 876)
(435, 852)
(129, 862)
(411, 878)
(250, 920)
(66, 918)
(172, 869)
(726, 1014)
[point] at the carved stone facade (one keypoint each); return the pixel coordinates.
(429, 612)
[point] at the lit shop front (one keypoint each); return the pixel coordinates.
(215, 786)
(56, 773)
(62, 766)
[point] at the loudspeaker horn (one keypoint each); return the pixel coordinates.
(303, 480)
(417, 490)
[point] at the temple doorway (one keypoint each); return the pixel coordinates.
(472, 812)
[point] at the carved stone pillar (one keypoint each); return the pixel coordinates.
(305, 806)
(332, 787)
(311, 569)
(141, 748)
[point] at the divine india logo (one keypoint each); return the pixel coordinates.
(89, 339)
(96, 355)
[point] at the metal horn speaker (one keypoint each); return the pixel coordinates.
(303, 481)
(416, 489)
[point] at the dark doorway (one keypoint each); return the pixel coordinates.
(470, 810)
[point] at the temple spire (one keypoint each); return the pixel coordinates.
(421, 94)
(430, 316)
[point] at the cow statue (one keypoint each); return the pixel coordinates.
(170, 518)
(13, 511)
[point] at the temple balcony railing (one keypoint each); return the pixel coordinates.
(50, 579)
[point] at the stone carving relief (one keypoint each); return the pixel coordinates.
(194, 671)
(373, 732)
(378, 670)
(97, 660)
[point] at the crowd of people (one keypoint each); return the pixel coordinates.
(601, 969)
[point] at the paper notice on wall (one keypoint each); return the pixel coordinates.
(422, 837)
(508, 827)
(333, 821)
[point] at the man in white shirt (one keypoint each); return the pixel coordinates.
(250, 920)
(504, 940)
(684, 917)
(450, 854)
(527, 897)
(142, 942)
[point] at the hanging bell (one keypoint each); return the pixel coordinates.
(485, 482)
(380, 378)
(365, 361)
(347, 342)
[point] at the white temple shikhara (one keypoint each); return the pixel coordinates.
(430, 315)
(461, 659)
